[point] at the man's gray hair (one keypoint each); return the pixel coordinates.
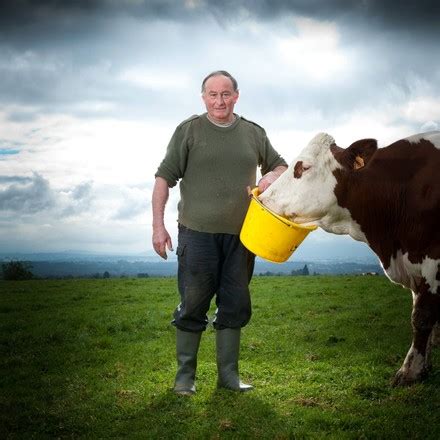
(221, 73)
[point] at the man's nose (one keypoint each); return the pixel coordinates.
(219, 99)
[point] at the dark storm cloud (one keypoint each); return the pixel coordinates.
(34, 194)
(22, 21)
(57, 54)
(76, 15)
(386, 13)
(394, 13)
(27, 197)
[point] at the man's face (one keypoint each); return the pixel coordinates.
(220, 98)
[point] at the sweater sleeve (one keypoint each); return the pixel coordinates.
(269, 159)
(172, 168)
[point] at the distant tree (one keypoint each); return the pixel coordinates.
(106, 275)
(143, 275)
(17, 270)
(303, 271)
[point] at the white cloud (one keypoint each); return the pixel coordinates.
(423, 108)
(429, 126)
(68, 150)
(154, 80)
(314, 52)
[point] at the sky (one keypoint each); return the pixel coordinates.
(91, 92)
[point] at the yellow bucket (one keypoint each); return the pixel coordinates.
(269, 235)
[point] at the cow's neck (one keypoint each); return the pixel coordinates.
(372, 213)
(339, 221)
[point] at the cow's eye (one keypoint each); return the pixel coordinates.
(299, 168)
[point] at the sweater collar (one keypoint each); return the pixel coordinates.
(222, 127)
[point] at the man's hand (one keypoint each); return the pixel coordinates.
(270, 178)
(162, 241)
(267, 180)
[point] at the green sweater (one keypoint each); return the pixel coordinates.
(215, 165)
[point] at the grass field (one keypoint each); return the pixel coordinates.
(95, 359)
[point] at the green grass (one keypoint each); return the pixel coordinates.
(95, 359)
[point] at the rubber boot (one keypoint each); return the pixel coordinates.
(228, 348)
(187, 346)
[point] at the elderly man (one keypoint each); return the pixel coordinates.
(215, 156)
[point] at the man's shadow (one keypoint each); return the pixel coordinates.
(219, 415)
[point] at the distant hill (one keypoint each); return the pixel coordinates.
(60, 265)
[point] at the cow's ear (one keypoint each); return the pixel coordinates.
(360, 152)
(358, 162)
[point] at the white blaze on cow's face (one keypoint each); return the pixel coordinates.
(305, 191)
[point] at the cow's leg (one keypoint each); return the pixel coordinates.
(433, 341)
(435, 335)
(425, 314)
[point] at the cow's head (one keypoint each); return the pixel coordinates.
(305, 191)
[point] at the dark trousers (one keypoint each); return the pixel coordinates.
(208, 265)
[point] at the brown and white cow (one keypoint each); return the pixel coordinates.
(388, 198)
